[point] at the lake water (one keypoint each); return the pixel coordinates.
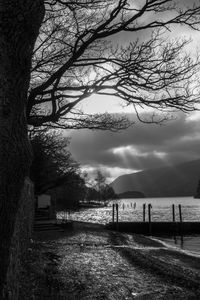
(132, 210)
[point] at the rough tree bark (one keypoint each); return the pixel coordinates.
(19, 25)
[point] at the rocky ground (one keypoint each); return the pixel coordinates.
(90, 262)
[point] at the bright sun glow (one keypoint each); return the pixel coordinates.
(161, 155)
(110, 173)
(195, 116)
(101, 104)
(131, 150)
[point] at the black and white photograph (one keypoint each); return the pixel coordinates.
(99, 150)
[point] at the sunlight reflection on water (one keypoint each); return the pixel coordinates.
(132, 210)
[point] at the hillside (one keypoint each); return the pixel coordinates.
(179, 180)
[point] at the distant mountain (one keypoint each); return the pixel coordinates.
(169, 181)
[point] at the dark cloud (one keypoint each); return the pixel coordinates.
(141, 147)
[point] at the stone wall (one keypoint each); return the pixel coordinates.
(21, 237)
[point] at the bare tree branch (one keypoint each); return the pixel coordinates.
(76, 56)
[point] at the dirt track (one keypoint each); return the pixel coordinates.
(90, 262)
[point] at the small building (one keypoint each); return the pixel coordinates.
(44, 203)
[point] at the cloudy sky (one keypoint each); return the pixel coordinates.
(142, 146)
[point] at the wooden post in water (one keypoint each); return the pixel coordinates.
(117, 212)
(180, 213)
(181, 220)
(117, 215)
(174, 221)
(144, 211)
(113, 212)
(149, 214)
(173, 212)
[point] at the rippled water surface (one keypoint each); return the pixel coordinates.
(132, 210)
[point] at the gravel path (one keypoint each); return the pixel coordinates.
(91, 263)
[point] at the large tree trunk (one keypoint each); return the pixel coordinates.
(19, 25)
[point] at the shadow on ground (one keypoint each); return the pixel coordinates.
(90, 262)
